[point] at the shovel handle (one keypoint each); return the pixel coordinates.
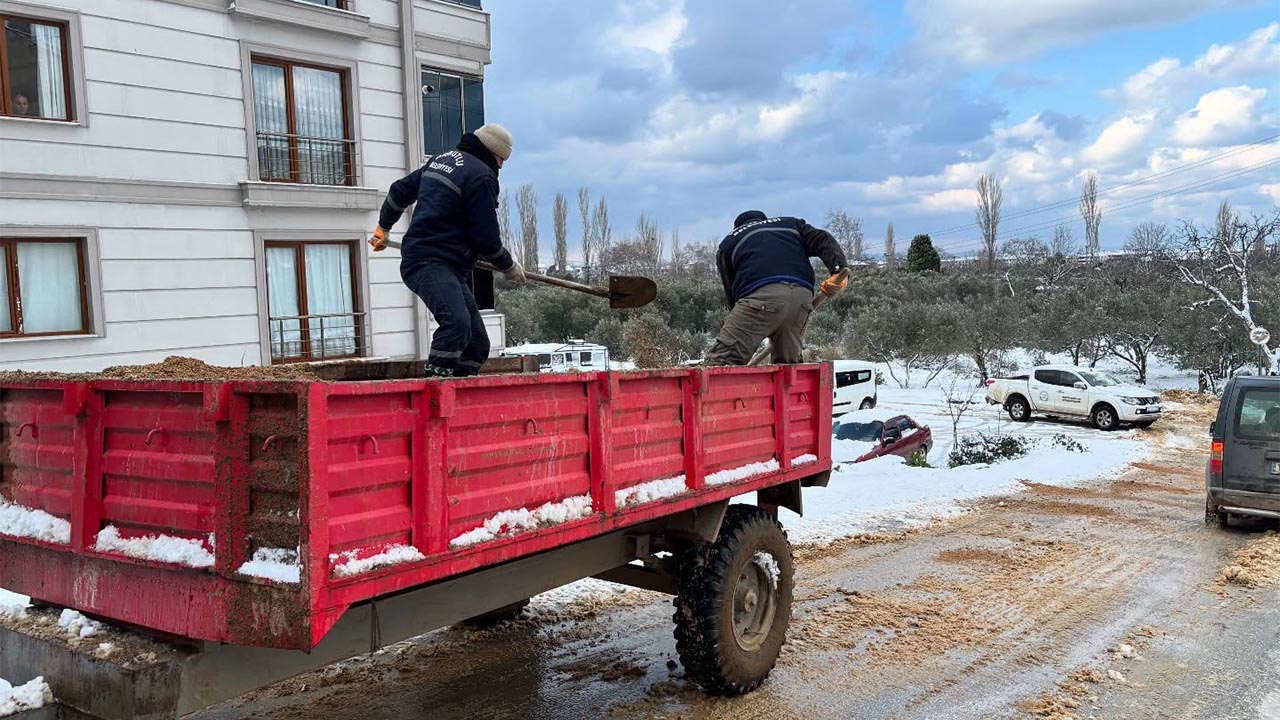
(558, 282)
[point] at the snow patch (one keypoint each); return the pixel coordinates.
(24, 522)
(104, 650)
(724, 477)
(347, 564)
(77, 625)
(12, 604)
(511, 522)
(278, 564)
(161, 548)
(847, 451)
(31, 696)
(769, 565)
(804, 460)
(651, 491)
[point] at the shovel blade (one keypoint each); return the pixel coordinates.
(628, 291)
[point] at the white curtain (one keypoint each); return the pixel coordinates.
(282, 302)
(6, 322)
(53, 95)
(49, 278)
(272, 121)
(329, 293)
(321, 127)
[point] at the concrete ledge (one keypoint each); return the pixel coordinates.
(304, 14)
(292, 195)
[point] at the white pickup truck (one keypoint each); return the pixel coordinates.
(1070, 391)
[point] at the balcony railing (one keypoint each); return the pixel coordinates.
(309, 160)
(301, 338)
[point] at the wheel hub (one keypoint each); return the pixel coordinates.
(754, 606)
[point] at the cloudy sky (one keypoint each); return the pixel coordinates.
(694, 110)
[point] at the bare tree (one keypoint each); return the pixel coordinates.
(650, 239)
(1091, 213)
(504, 227)
(847, 230)
(1063, 242)
(990, 199)
(527, 208)
(584, 213)
(677, 253)
(958, 393)
(1148, 239)
(890, 250)
(1222, 264)
(601, 233)
(560, 219)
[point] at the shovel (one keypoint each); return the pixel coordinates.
(624, 291)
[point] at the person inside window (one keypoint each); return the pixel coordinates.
(21, 105)
(455, 224)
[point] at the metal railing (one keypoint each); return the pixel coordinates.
(310, 160)
(300, 338)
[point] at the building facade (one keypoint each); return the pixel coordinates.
(198, 177)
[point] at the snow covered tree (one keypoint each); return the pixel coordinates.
(1225, 265)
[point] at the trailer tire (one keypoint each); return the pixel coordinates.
(732, 609)
(1018, 408)
(497, 616)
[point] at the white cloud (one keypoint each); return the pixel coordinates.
(1271, 190)
(1119, 141)
(1223, 115)
(1258, 54)
(647, 26)
(987, 32)
(954, 200)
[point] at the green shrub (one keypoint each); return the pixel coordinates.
(987, 449)
(919, 459)
(1067, 443)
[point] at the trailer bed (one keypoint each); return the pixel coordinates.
(279, 505)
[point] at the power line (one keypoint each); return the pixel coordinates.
(1132, 183)
(1127, 204)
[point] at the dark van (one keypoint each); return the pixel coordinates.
(1243, 475)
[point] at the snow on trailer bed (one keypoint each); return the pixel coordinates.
(238, 508)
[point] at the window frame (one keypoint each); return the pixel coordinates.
(10, 244)
(300, 277)
(295, 166)
(72, 60)
(463, 78)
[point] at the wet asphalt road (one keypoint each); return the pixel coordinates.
(989, 615)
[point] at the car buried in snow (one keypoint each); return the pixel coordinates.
(884, 432)
(1075, 392)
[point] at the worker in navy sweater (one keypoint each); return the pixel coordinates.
(455, 224)
(769, 282)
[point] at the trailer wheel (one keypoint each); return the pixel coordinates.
(497, 616)
(734, 603)
(1018, 408)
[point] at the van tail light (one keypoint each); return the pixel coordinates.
(1215, 458)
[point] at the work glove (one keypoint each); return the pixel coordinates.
(514, 274)
(379, 239)
(834, 285)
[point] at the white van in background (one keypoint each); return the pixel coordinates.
(855, 386)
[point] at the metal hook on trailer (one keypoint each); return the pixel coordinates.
(154, 431)
(35, 430)
(373, 440)
(266, 444)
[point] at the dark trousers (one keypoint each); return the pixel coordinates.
(460, 343)
(778, 311)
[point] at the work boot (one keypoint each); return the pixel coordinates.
(436, 371)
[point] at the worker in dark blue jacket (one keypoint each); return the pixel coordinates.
(769, 282)
(455, 224)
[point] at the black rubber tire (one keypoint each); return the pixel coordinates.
(1105, 418)
(710, 574)
(497, 616)
(1213, 517)
(867, 404)
(1018, 408)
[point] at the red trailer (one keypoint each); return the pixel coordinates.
(271, 526)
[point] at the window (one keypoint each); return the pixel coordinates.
(301, 116)
(42, 287)
(451, 105)
(544, 359)
(861, 432)
(1258, 414)
(852, 377)
(311, 301)
(336, 4)
(1048, 377)
(907, 425)
(34, 69)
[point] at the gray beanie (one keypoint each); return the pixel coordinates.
(496, 138)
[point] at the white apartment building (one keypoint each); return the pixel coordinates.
(198, 177)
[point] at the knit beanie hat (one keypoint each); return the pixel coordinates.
(496, 138)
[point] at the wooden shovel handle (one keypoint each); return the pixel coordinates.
(558, 282)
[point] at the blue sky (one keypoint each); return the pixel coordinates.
(694, 110)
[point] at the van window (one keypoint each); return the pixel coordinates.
(852, 377)
(1258, 414)
(544, 359)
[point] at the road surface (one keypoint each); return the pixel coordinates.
(1102, 600)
